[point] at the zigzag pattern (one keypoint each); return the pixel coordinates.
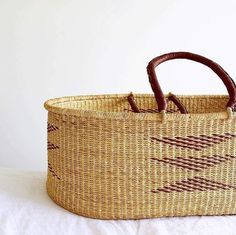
(50, 168)
(195, 142)
(194, 184)
(196, 163)
(52, 146)
(51, 127)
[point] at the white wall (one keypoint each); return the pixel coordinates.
(54, 48)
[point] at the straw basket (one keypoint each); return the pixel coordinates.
(135, 156)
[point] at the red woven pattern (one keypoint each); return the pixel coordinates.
(194, 184)
(51, 127)
(52, 146)
(195, 142)
(50, 168)
(196, 163)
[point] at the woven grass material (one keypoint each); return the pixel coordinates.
(106, 162)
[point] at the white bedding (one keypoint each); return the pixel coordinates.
(26, 209)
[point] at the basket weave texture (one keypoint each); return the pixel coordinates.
(106, 161)
(116, 164)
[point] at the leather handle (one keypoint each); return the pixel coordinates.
(159, 96)
(177, 102)
(132, 103)
(171, 97)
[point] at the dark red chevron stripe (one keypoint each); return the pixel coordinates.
(52, 146)
(51, 127)
(216, 138)
(176, 140)
(50, 168)
(196, 163)
(200, 162)
(194, 184)
(230, 156)
(174, 143)
(214, 182)
(190, 187)
(194, 142)
(205, 160)
(188, 166)
(203, 140)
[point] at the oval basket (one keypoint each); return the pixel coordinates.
(133, 156)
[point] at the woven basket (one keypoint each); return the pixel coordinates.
(143, 156)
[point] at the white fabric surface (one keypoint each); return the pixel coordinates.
(26, 209)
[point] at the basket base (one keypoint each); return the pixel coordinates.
(136, 217)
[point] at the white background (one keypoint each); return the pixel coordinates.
(52, 48)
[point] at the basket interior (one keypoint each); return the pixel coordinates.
(145, 102)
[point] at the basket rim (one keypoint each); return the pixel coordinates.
(50, 105)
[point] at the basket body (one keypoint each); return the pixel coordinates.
(106, 162)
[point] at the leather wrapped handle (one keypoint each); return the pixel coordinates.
(159, 96)
(171, 97)
(177, 102)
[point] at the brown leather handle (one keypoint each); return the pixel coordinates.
(171, 97)
(177, 102)
(159, 96)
